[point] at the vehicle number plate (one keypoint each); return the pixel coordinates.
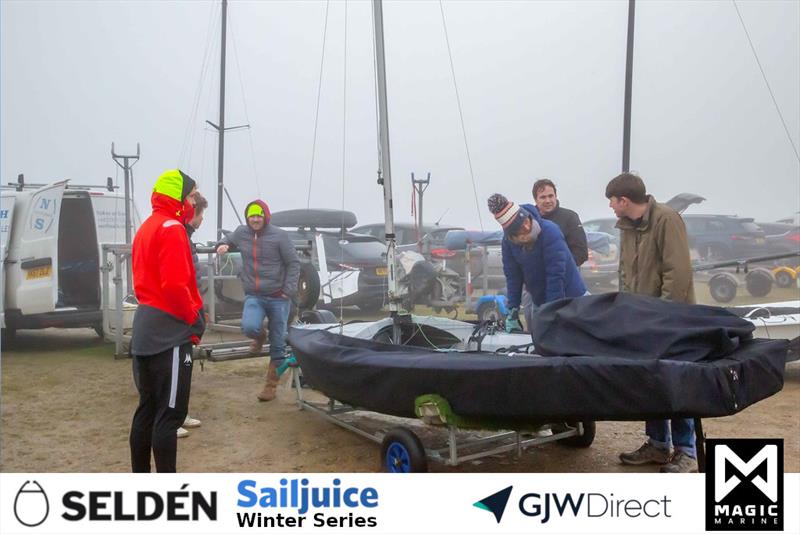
(381, 271)
(39, 272)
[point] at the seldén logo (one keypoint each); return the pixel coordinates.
(744, 484)
(495, 503)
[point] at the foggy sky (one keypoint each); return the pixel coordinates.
(541, 87)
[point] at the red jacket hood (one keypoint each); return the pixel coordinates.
(171, 208)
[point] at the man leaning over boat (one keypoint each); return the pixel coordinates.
(534, 254)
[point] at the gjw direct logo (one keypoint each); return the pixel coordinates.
(744, 484)
(546, 506)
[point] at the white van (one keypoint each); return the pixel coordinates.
(50, 243)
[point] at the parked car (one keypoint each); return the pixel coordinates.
(713, 237)
(354, 272)
(782, 238)
(433, 244)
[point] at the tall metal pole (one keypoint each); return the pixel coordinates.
(420, 186)
(126, 167)
(385, 172)
(221, 125)
(626, 127)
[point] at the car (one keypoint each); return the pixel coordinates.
(433, 244)
(354, 272)
(782, 238)
(712, 237)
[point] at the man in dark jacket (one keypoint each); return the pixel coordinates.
(168, 321)
(270, 274)
(546, 198)
(534, 253)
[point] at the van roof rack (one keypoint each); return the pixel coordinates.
(20, 185)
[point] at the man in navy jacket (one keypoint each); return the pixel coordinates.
(534, 254)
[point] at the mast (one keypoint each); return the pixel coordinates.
(221, 125)
(626, 127)
(385, 171)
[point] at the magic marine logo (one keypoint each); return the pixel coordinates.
(744, 484)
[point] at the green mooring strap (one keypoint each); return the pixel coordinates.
(436, 410)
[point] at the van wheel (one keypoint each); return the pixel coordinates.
(8, 336)
(98, 328)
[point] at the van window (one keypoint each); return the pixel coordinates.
(78, 256)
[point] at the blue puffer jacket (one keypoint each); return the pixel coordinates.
(547, 269)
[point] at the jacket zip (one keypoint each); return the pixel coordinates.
(255, 263)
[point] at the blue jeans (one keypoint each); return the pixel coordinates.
(277, 312)
(679, 431)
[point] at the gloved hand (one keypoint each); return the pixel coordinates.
(512, 321)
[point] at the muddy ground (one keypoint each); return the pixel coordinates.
(67, 407)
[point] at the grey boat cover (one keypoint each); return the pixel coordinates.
(642, 381)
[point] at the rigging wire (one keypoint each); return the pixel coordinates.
(766, 82)
(344, 162)
(461, 115)
(244, 103)
(188, 139)
(316, 112)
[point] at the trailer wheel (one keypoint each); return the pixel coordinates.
(759, 282)
(722, 287)
(585, 439)
(784, 279)
(402, 452)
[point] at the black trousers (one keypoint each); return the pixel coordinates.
(164, 381)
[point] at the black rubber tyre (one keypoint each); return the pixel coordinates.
(98, 329)
(7, 337)
(759, 282)
(370, 306)
(317, 317)
(722, 287)
(402, 452)
(585, 439)
(308, 286)
(783, 279)
(488, 311)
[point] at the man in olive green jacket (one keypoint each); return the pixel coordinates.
(654, 261)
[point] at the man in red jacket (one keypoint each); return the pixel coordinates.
(168, 321)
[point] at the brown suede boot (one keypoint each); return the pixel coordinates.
(268, 393)
(258, 343)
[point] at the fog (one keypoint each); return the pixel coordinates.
(540, 84)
